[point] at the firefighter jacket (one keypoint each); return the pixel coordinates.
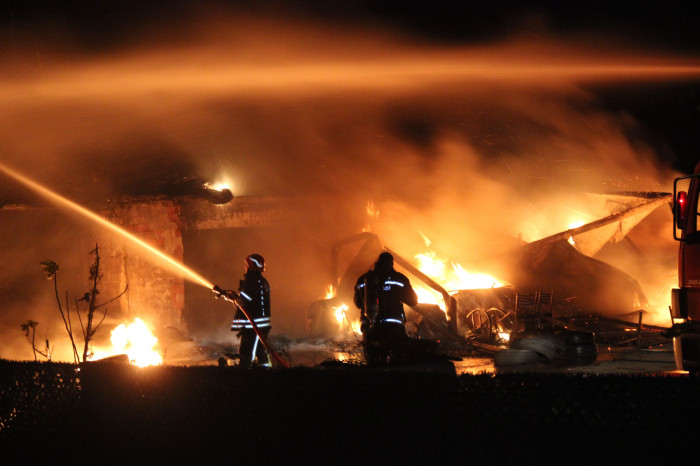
(254, 297)
(384, 291)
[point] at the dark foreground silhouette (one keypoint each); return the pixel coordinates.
(119, 414)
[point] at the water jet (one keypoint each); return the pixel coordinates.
(162, 258)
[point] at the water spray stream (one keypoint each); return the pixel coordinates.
(171, 72)
(191, 275)
(60, 200)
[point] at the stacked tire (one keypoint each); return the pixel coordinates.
(548, 345)
(580, 347)
(570, 348)
(515, 357)
(530, 349)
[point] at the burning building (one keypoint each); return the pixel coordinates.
(479, 148)
(167, 298)
(561, 265)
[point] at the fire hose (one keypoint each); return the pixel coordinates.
(232, 296)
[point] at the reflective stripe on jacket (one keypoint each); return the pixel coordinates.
(386, 291)
(254, 292)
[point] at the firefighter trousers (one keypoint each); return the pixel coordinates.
(251, 348)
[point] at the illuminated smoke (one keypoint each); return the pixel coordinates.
(465, 144)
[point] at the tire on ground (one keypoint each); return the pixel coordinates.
(515, 357)
(548, 345)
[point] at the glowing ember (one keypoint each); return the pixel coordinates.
(137, 342)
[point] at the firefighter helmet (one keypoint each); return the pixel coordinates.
(255, 262)
(384, 261)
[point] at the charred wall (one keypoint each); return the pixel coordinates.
(154, 293)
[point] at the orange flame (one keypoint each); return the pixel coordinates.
(571, 226)
(137, 342)
(341, 314)
(372, 209)
(218, 186)
(452, 276)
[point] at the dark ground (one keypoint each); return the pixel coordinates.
(119, 414)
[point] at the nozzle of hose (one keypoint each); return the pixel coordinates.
(228, 295)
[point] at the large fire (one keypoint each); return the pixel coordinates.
(453, 277)
(450, 275)
(137, 341)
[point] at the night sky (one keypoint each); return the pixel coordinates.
(111, 23)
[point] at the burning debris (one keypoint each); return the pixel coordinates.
(538, 311)
(217, 193)
(467, 308)
(137, 342)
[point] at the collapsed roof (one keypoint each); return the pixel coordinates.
(561, 262)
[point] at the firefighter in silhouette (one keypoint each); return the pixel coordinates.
(254, 297)
(380, 295)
